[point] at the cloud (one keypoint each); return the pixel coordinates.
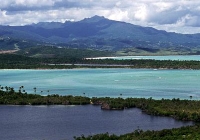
(11, 5)
(180, 16)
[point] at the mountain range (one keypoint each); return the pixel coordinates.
(96, 33)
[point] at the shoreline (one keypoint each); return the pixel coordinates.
(162, 107)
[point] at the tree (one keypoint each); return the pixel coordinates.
(35, 89)
(12, 90)
(6, 89)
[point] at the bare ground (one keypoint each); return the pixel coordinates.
(8, 51)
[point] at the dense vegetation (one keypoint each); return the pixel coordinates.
(165, 64)
(188, 133)
(179, 109)
(12, 61)
(61, 52)
(8, 96)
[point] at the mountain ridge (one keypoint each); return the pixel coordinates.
(100, 33)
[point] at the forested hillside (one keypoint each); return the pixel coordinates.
(99, 33)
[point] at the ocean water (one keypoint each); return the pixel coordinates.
(65, 122)
(107, 82)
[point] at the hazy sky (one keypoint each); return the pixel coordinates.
(182, 16)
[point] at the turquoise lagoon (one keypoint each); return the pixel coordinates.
(167, 57)
(107, 82)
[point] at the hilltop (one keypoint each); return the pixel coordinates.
(99, 33)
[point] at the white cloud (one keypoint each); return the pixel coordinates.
(179, 16)
(162, 6)
(27, 3)
(141, 13)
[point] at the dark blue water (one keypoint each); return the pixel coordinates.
(64, 122)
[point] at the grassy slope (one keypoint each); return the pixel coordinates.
(157, 51)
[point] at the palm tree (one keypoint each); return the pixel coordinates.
(12, 90)
(35, 89)
(20, 89)
(6, 89)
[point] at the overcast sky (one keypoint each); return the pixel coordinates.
(181, 16)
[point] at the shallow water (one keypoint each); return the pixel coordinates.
(107, 82)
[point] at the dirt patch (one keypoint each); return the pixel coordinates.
(8, 51)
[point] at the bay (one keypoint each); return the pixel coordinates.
(139, 83)
(65, 122)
